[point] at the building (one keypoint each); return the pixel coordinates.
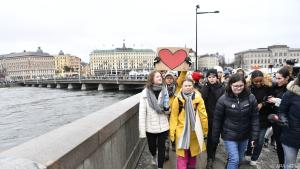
(85, 70)
(208, 61)
(121, 60)
(66, 64)
(275, 55)
(28, 65)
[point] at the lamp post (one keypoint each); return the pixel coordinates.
(197, 7)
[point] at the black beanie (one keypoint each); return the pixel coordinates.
(212, 71)
(256, 73)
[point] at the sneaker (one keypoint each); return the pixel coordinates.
(153, 160)
(253, 163)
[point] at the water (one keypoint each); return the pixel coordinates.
(26, 113)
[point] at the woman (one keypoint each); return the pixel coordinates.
(289, 112)
(235, 118)
(282, 78)
(153, 119)
(211, 92)
(188, 123)
(261, 92)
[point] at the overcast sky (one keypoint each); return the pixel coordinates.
(79, 27)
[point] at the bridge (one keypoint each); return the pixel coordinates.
(92, 83)
(106, 139)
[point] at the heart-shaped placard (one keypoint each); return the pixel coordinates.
(172, 60)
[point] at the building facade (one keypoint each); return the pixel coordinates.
(28, 65)
(208, 61)
(275, 55)
(121, 60)
(85, 70)
(66, 64)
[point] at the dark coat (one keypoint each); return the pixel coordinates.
(289, 112)
(277, 91)
(210, 94)
(261, 94)
(236, 118)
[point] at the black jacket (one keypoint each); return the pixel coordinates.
(236, 118)
(289, 112)
(210, 94)
(277, 91)
(261, 94)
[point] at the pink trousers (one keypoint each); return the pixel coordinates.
(187, 161)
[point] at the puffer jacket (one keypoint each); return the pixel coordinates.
(149, 119)
(289, 112)
(177, 122)
(236, 118)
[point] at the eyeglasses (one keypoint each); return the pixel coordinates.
(237, 86)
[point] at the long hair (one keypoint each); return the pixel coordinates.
(284, 72)
(235, 78)
(150, 78)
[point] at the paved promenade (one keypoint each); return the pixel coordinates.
(267, 160)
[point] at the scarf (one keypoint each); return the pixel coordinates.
(163, 105)
(189, 122)
(171, 89)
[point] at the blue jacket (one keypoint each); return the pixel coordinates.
(289, 112)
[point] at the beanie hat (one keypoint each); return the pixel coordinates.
(197, 76)
(212, 72)
(219, 68)
(169, 74)
(256, 73)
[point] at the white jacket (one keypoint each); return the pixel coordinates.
(149, 119)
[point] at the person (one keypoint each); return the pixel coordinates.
(196, 76)
(278, 90)
(220, 74)
(153, 116)
(188, 125)
(261, 91)
(235, 118)
(289, 113)
(211, 92)
(173, 85)
(241, 72)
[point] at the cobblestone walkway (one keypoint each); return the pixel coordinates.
(267, 160)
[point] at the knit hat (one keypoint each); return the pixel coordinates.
(256, 73)
(212, 72)
(197, 76)
(169, 74)
(219, 68)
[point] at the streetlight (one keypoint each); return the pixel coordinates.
(197, 7)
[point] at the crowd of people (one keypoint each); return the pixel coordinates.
(192, 112)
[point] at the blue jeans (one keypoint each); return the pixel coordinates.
(259, 144)
(235, 151)
(290, 156)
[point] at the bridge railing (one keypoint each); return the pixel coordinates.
(106, 139)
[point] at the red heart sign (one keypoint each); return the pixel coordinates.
(172, 60)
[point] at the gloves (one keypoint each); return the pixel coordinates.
(188, 61)
(156, 60)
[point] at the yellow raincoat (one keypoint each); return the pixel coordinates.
(177, 121)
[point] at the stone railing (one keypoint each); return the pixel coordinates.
(106, 139)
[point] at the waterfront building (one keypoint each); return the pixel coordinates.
(28, 65)
(274, 56)
(208, 61)
(66, 65)
(121, 61)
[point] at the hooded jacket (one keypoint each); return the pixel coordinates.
(289, 112)
(177, 123)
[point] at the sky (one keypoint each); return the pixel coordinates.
(78, 27)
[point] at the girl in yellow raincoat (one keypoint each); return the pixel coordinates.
(188, 125)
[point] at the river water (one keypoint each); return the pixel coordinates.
(28, 112)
